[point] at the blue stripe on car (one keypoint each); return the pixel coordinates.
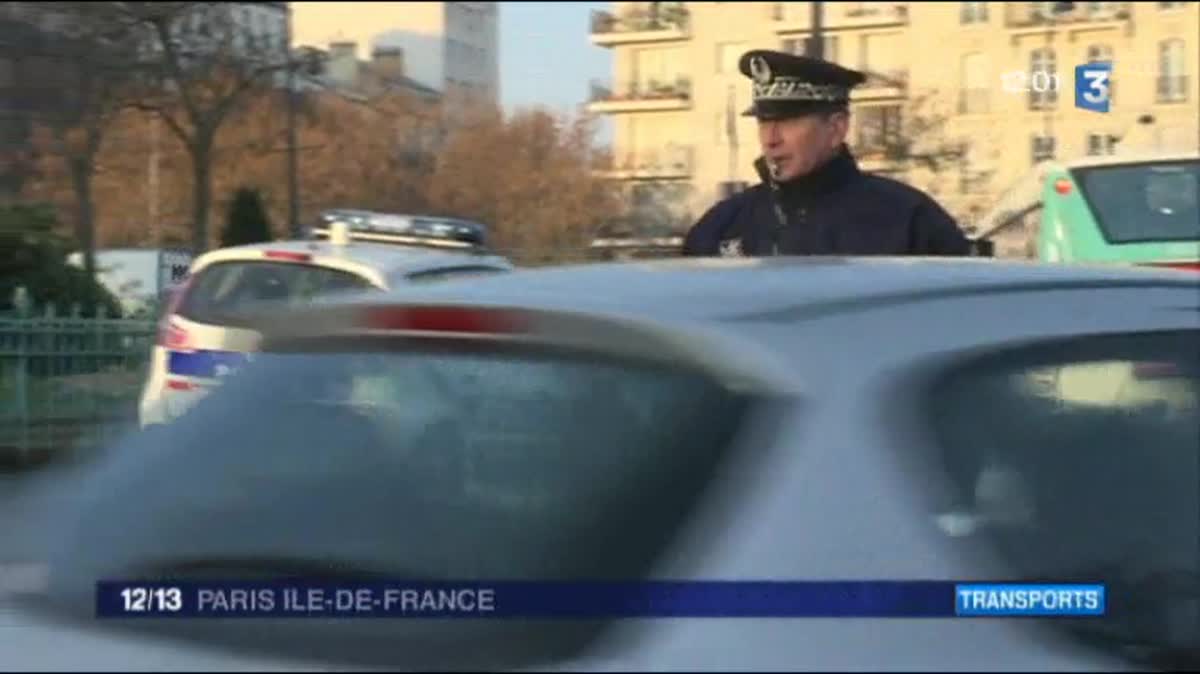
(208, 364)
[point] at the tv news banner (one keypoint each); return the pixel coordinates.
(549, 600)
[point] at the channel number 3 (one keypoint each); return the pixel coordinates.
(1096, 91)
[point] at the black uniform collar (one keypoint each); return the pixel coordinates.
(829, 177)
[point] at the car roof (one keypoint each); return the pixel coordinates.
(388, 259)
(716, 289)
(1130, 157)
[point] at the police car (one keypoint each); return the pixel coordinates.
(203, 334)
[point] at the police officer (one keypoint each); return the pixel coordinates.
(813, 199)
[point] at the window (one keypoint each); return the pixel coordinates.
(973, 12)
(226, 292)
(1155, 202)
(1043, 79)
(1099, 144)
(728, 54)
(1078, 459)
(878, 128)
(799, 47)
(1172, 78)
(1098, 10)
(975, 88)
(1172, 5)
(1042, 148)
(1099, 53)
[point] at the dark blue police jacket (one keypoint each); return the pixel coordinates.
(836, 210)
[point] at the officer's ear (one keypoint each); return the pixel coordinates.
(839, 123)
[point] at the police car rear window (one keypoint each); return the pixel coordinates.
(223, 293)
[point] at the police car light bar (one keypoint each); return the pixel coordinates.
(401, 229)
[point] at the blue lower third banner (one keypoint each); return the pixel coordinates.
(720, 599)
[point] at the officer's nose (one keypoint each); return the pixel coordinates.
(769, 132)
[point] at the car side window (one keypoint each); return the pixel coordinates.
(1077, 457)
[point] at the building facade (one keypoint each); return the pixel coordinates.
(962, 98)
(453, 47)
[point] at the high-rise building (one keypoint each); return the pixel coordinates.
(450, 46)
(973, 93)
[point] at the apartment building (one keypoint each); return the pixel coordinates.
(453, 47)
(962, 98)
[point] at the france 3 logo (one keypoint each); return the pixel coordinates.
(1091, 86)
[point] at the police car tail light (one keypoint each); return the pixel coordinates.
(461, 320)
(287, 255)
(170, 335)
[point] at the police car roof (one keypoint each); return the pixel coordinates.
(385, 258)
(715, 289)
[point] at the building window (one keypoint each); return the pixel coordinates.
(975, 87)
(1042, 148)
(1043, 79)
(973, 12)
(728, 54)
(878, 128)
(1101, 53)
(1100, 10)
(1172, 78)
(1171, 5)
(1100, 144)
(799, 46)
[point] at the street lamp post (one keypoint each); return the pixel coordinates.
(816, 40)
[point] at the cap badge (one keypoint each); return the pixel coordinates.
(760, 71)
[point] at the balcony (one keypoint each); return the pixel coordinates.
(674, 163)
(796, 17)
(652, 96)
(657, 22)
(1032, 18)
(882, 85)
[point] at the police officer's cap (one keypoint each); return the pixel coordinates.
(786, 85)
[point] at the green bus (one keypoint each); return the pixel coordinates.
(1124, 208)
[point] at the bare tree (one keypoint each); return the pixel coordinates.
(199, 63)
(89, 65)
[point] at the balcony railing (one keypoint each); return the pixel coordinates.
(1172, 88)
(659, 20)
(1038, 14)
(882, 83)
(793, 16)
(637, 92)
(671, 162)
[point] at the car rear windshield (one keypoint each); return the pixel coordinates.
(430, 464)
(1080, 460)
(225, 293)
(1144, 203)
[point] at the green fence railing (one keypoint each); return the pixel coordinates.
(68, 381)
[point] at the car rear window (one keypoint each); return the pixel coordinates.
(430, 464)
(224, 293)
(1144, 203)
(1080, 460)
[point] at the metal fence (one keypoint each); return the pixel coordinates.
(68, 381)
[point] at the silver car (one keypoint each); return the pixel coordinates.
(820, 419)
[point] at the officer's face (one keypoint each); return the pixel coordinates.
(797, 145)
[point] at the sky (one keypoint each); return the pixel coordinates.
(546, 55)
